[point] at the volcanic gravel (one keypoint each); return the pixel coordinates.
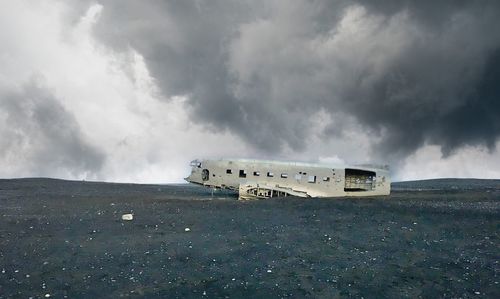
(66, 239)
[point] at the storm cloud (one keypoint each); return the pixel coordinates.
(131, 91)
(410, 73)
(40, 137)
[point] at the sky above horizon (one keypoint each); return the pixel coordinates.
(131, 91)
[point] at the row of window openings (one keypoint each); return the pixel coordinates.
(310, 179)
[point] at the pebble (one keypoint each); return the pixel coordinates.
(47, 295)
(127, 217)
(187, 229)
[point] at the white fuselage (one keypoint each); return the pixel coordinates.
(253, 178)
(262, 179)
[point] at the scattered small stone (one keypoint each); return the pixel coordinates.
(477, 293)
(187, 229)
(127, 217)
(269, 271)
(47, 295)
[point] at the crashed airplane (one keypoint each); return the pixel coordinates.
(260, 179)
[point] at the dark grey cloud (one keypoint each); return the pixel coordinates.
(42, 136)
(409, 72)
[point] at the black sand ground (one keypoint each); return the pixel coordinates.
(428, 239)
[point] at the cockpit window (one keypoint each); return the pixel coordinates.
(195, 163)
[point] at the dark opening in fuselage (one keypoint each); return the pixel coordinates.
(357, 180)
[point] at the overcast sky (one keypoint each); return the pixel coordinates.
(131, 91)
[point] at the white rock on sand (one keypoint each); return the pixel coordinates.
(127, 217)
